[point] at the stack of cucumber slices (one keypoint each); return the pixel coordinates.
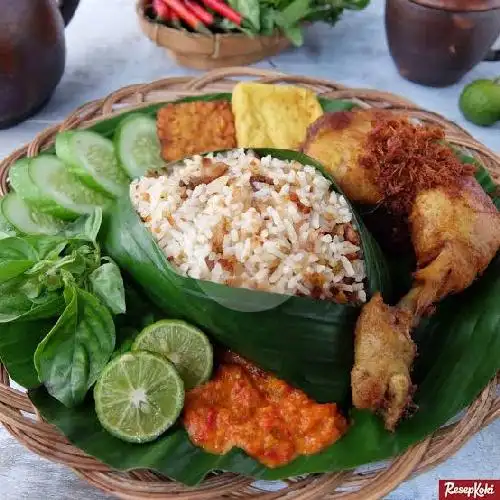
(87, 171)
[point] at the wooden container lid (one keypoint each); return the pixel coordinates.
(460, 5)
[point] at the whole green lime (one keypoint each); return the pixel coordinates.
(480, 102)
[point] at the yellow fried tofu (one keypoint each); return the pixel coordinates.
(273, 116)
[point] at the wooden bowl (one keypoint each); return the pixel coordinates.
(198, 51)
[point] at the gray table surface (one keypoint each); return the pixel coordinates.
(106, 51)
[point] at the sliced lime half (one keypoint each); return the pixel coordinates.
(184, 345)
(138, 396)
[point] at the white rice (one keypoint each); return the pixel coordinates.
(285, 234)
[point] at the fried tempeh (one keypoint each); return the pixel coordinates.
(189, 128)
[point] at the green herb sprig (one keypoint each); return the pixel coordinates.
(264, 17)
(62, 279)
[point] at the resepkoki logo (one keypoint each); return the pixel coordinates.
(457, 489)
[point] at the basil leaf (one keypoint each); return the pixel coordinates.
(330, 16)
(227, 25)
(85, 227)
(107, 284)
(294, 34)
(70, 358)
(294, 13)
(267, 21)
(16, 257)
(50, 306)
(16, 306)
(15, 248)
(47, 247)
(11, 268)
(249, 9)
(13, 302)
(355, 4)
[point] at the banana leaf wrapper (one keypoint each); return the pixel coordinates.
(307, 342)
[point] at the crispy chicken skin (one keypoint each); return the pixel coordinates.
(455, 232)
(336, 140)
(189, 128)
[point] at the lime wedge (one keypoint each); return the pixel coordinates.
(184, 345)
(138, 396)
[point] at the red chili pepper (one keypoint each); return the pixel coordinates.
(187, 16)
(161, 10)
(224, 10)
(204, 16)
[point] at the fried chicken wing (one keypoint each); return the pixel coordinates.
(383, 355)
(455, 234)
(189, 128)
(454, 226)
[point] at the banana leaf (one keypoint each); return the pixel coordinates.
(18, 343)
(307, 342)
(463, 336)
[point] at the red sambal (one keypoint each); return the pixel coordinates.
(247, 408)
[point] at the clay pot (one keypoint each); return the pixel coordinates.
(436, 42)
(32, 54)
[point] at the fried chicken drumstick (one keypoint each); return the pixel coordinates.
(378, 158)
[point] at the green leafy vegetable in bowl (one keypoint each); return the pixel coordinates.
(252, 17)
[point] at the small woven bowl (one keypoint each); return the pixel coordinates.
(198, 51)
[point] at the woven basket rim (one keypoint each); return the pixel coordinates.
(21, 420)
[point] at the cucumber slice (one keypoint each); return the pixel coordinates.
(20, 180)
(25, 219)
(137, 145)
(92, 158)
(23, 185)
(63, 194)
(5, 226)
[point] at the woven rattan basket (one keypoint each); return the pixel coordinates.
(20, 417)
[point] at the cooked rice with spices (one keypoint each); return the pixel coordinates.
(265, 224)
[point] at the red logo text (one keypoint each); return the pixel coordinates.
(457, 489)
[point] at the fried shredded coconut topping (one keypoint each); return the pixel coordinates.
(406, 159)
